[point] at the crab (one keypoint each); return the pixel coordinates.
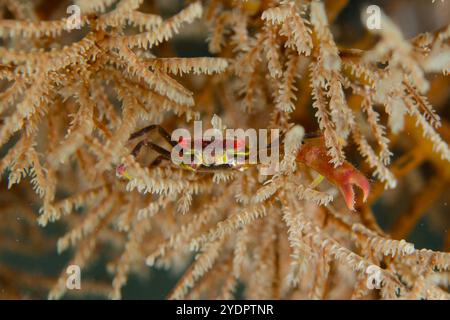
(313, 154)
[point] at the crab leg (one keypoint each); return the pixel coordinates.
(163, 152)
(163, 133)
(121, 169)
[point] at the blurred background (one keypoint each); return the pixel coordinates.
(29, 263)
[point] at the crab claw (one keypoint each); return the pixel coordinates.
(314, 155)
(348, 180)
